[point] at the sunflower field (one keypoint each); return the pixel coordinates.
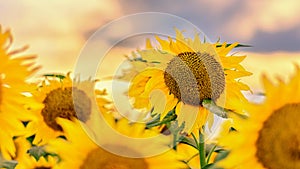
(189, 93)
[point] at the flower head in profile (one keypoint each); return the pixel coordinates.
(14, 71)
(269, 138)
(180, 74)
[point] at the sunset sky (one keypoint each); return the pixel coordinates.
(57, 30)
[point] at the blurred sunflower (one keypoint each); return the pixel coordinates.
(88, 155)
(269, 138)
(63, 98)
(14, 71)
(25, 161)
(182, 73)
(191, 155)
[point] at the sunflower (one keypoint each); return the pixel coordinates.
(180, 74)
(269, 138)
(62, 98)
(89, 155)
(14, 71)
(25, 161)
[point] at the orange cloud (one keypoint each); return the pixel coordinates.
(274, 65)
(56, 30)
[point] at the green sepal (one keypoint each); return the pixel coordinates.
(176, 131)
(171, 116)
(30, 139)
(60, 76)
(39, 151)
(8, 164)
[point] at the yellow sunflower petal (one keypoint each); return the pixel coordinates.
(15, 68)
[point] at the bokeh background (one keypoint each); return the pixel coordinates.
(57, 30)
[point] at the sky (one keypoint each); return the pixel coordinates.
(57, 30)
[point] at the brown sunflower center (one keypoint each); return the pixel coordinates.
(65, 103)
(278, 143)
(102, 159)
(193, 77)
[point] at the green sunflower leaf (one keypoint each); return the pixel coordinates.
(208, 166)
(221, 155)
(190, 142)
(238, 46)
(212, 107)
(220, 111)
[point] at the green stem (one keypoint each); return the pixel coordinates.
(210, 153)
(201, 149)
(175, 141)
(195, 139)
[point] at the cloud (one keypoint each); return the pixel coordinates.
(253, 22)
(217, 7)
(283, 41)
(267, 16)
(274, 64)
(55, 30)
